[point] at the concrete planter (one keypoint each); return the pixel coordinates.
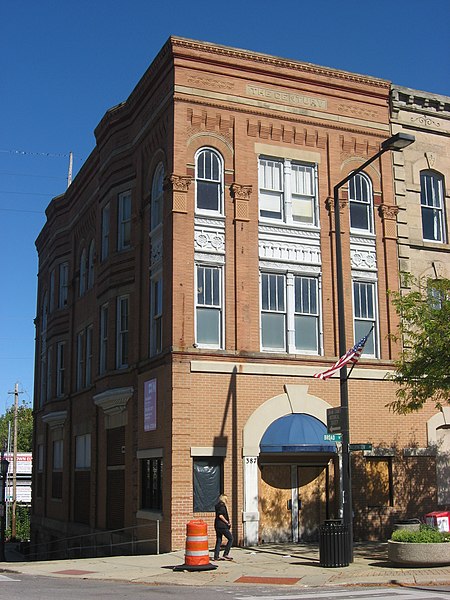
(409, 553)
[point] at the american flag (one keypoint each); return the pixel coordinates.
(352, 356)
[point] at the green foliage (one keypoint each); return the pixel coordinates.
(425, 535)
(22, 523)
(422, 370)
(24, 427)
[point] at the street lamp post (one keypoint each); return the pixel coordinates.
(4, 464)
(396, 142)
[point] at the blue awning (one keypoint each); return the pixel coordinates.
(296, 433)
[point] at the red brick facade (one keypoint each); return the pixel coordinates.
(218, 401)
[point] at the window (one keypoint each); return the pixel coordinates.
(365, 311)
(287, 191)
(360, 199)
(103, 341)
(51, 292)
(80, 359)
(379, 482)
(83, 451)
(40, 471)
(432, 204)
(209, 306)
(43, 352)
(83, 273)
(209, 181)
(151, 481)
(124, 221)
(273, 315)
(157, 197)
(60, 369)
(156, 316)
(208, 482)
(105, 232)
(122, 332)
(49, 373)
(57, 473)
(89, 339)
(63, 284)
(90, 265)
(306, 317)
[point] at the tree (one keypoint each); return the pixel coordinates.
(423, 368)
(24, 427)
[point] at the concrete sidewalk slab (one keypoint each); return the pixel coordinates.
(290, 565)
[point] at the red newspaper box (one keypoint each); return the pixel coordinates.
(439, 519)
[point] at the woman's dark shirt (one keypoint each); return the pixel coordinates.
(221, 509)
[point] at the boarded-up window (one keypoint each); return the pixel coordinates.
(115, 499)
(379, 482)
(207, 483)
(116, 445)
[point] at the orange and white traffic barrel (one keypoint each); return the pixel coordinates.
(197, 552)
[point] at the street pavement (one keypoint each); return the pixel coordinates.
(289, 565)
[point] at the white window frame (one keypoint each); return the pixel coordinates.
(214, 303)
(103, 339)
(60, 369)
(83, 452)
(124, 221)
(272, 305)
(63, 285)
(361, 315)
(157, 197)
(200, 176)
(106, 227)
(307, 310)
(357, 200)
(291, 183)
(122, 331)
(156, 314)
(432, 202)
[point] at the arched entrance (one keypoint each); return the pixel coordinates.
(438, 429)
(290, 473)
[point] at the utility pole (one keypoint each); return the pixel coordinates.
(14, 494)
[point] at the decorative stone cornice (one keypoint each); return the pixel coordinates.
(55, 419)
(113, 401)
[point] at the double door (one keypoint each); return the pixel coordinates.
(293, 501)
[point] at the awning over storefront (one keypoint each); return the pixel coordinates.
(296, 433)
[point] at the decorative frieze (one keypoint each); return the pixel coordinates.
(289, 252)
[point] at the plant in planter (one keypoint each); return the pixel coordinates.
(428, 546)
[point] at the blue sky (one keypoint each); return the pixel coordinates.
(64, 64)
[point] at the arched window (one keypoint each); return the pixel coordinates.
(83, 272)
(432, 205)
(157, 197)
(360, 199)
(209, 181)
(91, 257)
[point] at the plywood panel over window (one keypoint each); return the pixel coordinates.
(379, 482)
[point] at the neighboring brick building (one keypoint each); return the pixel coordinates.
(421, 173)
(187, 295)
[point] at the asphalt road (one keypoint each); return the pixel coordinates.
(24, 587)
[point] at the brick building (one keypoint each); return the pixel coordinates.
(187, 295)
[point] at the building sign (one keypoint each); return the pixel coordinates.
(150, 405)
(289, 97)
(24, 463)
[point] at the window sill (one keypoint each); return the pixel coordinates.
(149, 515)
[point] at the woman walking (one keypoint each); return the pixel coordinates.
(222, 526)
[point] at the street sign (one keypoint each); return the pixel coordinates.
(334, 420)
(353, 447)
(332, 437)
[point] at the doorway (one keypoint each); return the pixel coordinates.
(294, 500)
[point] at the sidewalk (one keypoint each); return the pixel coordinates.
(294, 565)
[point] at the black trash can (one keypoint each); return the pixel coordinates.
(334, 544)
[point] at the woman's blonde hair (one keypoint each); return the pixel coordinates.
(223, 498)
